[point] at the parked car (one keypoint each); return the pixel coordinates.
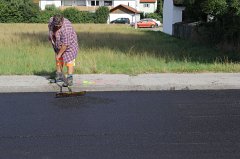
(146, 24)
(156, 21)
(121, 21)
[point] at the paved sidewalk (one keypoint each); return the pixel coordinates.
(120, 82)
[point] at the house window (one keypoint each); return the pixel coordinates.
(107, 3)
(81, 3)
(93, 3)
(68, 3)
(146, 5)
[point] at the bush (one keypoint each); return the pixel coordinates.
(76, 16)
(25, 11)
(87, 17)
(72, 14)
(46, 14)
(30, 12)
(18, 11)
(156, 16)
(102, 14)
(223, 28)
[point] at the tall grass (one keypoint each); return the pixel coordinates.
(24, 49)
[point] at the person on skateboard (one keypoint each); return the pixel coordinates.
(65, 44)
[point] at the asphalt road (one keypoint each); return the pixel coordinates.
(121, 125)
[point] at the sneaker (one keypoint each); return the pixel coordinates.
(68, 82)
(58, 78)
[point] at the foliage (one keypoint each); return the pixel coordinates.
(156, 16)
(160, 7)
(46, 14)
(224, 25)
(102, 14)
(15, 11)
(76, 16)
(72, 14)
(25, 11)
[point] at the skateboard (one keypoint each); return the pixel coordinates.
(68, 93)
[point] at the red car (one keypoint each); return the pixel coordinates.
(146, 23)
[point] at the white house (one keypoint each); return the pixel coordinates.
(147, 6)
(88, 3)
(172, 13)
(44, 3)
(124, 11)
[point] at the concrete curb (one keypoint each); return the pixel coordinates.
(121, 82)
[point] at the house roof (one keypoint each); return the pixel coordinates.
(126, 7)
(147, 1)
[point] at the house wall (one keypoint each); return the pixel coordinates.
(151, 9)
(131, 3)
(58, 3)
(171, 15)
(73, 2)
(43, 3)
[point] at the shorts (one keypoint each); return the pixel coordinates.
(68, 64)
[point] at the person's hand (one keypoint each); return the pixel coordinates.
(58, 56)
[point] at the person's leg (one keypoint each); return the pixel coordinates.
(70, 71)
(59, 64)
(59, 69)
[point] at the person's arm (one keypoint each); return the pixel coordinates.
(61, 51)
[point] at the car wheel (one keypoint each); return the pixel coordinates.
(152, 26)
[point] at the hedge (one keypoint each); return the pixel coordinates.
(25, 11)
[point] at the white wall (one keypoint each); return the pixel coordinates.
(126, 2)
(151, 9)
(130, 16)
(171, 15)
(43, 3)
(74, 2)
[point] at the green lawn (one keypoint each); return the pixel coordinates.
(24, 49)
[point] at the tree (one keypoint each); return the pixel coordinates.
(15, 11)
(225, 24)
(102, 14)
(160, 7)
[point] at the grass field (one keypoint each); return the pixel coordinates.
(24, 49)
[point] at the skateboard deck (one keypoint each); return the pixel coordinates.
(68, 93)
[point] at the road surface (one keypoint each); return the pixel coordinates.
(121, 125)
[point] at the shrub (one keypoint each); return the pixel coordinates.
(86, 17)
(102, 14)
(30, 11)
(72, 14)
(46, 14)
(154, 16)
(15, 11)
(224, 26)
(76, 16)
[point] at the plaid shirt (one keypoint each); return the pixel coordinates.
(67, 36)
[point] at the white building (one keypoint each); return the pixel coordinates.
(44, 3)
(172, 13)
(124, 11)
(88, 3)
(147, 6)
